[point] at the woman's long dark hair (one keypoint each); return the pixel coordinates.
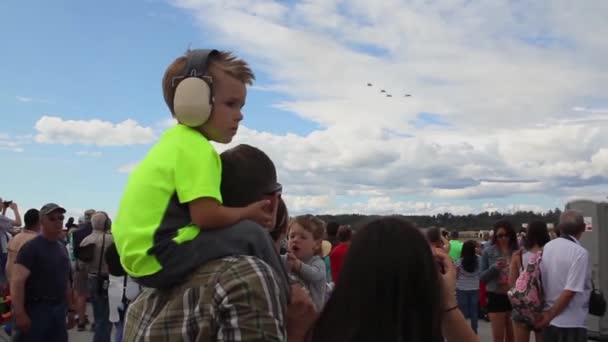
(470, 261)
(388, 290)
(508, 227)
(538, 235)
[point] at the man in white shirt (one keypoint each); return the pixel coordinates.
(566, 277)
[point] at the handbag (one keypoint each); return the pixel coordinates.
(597, 302)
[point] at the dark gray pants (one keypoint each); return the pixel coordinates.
(243, 238)
(555, 334)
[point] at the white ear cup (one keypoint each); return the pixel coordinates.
(191, 102)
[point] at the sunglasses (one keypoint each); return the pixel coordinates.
(56, 218)
(502, 236)
(278, 188)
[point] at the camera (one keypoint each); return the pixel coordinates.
(7, 203)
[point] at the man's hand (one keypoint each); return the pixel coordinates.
(23, 322)
(300, 314)
(71, 320)
(544, 320)
(259, 213)
(13, 206)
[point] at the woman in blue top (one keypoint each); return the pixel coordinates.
(495, 263)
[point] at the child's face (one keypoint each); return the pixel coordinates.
(301, 242)
(229, 97)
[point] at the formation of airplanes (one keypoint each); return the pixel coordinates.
(387, 94)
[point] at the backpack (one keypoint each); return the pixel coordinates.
(527, 297)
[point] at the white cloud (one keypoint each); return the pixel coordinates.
(128, 167)
(12, 143)
(94, 154)
(24, 99)
(53, 130)
(521, 85)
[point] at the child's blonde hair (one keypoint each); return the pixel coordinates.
(224, 61)
(311, 224)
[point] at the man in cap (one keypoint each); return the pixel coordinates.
(40, 283)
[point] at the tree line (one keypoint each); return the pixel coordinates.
(481, 221)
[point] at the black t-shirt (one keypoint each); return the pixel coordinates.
(49, 267)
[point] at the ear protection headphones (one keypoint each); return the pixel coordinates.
(107, 223)
(193, 96)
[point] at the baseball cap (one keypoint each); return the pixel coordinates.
(49, 208)
(89, 213)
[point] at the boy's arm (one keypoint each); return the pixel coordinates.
(208, 213)
(314, 272)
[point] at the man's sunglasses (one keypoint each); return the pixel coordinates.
(56, 218)
(502, 236)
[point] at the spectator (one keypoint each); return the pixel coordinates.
(495, 263)
(338, 254)
(455, 245)
(304, 258)
(228, 298)
(6, 226)
(536, 238)
(98, 278)
(467, 282)
(566, 275)
(41, 290)
(30, 231)
(332, 233)
(81, 273)
(436, 238)
(401, 294)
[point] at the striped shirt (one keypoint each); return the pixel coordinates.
(230, 299)
(467, 281)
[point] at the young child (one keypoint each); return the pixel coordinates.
(174, 193)
(304, 256)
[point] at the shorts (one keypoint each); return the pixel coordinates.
(498, 302)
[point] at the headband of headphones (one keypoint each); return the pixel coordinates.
(198, 62)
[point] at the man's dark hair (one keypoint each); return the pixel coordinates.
(344, 234)
(247, 175)
(454, 234)
(332, 228)
(433, 234)
(31, 218)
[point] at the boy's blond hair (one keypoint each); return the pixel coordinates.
(223, 61)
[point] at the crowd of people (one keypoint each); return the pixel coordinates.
(202, 248)
(549, 268)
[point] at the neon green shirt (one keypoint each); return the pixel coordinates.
(153, 218)
(455, 249)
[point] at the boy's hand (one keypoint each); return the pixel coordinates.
(293, 263)
(258, 212)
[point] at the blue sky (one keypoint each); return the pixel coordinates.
(474, 115)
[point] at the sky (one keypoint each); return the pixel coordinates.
(509, 105)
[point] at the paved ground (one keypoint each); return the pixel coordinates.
(87, 336)
(485, 334)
